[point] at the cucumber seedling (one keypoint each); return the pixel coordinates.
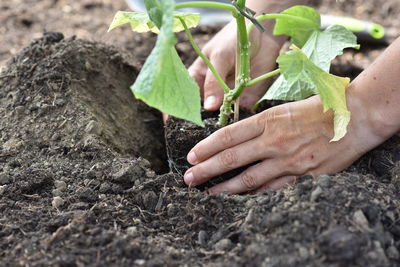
(164, 82)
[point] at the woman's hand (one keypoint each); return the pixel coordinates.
(288, 141)
(221, 51)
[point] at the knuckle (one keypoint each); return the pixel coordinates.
(228, 158)
(248, 181)
(226, 136)
(270, 115)
(260, 123)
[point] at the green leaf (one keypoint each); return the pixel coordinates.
(140, 21)
(321, 48)
(295, 66)
(191, 20)
(164, 82)
(155, 11)
(299, 23)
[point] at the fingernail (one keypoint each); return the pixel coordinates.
(191, 72)
(210, 102)
(192, 158)
(188, 177)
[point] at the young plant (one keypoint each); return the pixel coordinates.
(165, 84)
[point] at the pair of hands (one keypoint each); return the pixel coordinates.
(289, 140)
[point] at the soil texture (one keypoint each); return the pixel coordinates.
(84, 177)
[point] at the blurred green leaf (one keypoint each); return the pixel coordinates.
(300, 23)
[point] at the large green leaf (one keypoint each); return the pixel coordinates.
(295, 66)
(164, 82)
(299, 23)
(141, 22)
(321, 48)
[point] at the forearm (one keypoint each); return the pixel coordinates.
(376, 92)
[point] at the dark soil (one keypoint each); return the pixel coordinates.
(81, 163)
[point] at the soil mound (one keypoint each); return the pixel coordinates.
(78, 186)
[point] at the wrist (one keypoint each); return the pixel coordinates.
(367, 128)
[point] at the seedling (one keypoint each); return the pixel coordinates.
(164, 82)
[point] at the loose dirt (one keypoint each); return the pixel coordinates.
(83, 169)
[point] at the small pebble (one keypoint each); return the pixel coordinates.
(102, 196)
(361, 221)
(140, 262)
(303, 251)
(132, 230)
(251, 217)
(104, 187)
(60, 185)
(56, 193)
(223, 244)
(315, 194)
(59, 102)
(324, 180)
(2, 189)
(19, 110)
(150, 174)
(57, 202)
(5, 178)
(202, 238)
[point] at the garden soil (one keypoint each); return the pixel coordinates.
(84, 177)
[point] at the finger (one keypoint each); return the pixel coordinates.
(198, 71)
(252, 178)
(277, 184)
(227, 137)
(229, 159)
(213, 93)
(165, 117)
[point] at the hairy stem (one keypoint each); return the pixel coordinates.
(263, 77)
(205, 59)
(243, 62)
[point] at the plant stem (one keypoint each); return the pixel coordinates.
(263, 77)
(278, 16)
(243, 61)
(204, 57)
(207, 4)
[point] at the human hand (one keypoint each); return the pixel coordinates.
(221, 50)
(289, 141)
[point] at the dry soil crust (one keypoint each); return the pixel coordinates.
(73, 191)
